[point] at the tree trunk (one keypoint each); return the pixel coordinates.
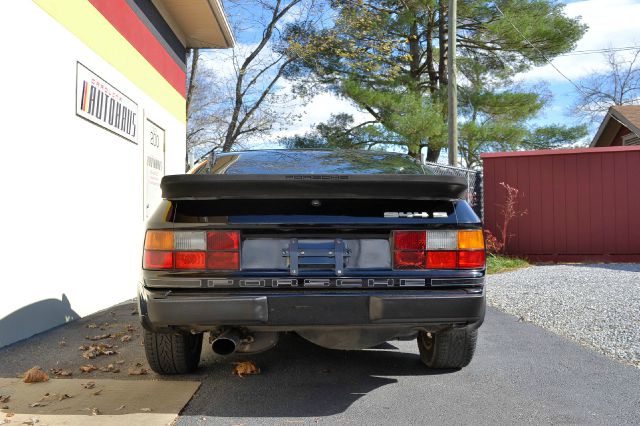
(433, 154)
(195, 55)
(415, 153)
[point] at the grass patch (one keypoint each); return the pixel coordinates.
(498, 263)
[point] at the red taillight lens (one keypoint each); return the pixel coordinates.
(438, 249)
(223, 260)
(192, 250)
(471, 259)
(223, 240)
(408, 260)
(441, 259)
(158, 260)
(190, 260)
(409, 240)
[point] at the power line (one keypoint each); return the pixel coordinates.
(603, 50)
(541, 54)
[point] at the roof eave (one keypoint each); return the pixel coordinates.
(223, 22)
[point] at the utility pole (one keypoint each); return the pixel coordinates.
(452, 86)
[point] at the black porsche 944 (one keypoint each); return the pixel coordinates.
(348, 249)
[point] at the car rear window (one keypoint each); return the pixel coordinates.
(316, 162)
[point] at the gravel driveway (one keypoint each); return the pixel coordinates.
(596, 305)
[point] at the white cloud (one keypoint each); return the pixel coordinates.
(314, 111)
(612, 23)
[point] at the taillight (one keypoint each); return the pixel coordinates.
(192, 250)
(438, 249)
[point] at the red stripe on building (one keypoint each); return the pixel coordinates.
(125, 20)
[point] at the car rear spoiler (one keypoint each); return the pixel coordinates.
(215, 187)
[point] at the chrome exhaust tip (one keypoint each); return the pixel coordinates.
(226, 342)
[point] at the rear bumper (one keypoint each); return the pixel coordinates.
(160, 309)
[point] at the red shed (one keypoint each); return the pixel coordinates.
(583, 204)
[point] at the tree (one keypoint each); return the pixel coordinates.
(497, 117)
(205, 106)
(225, 109)
(618, 84)
(339, 132)
(390, 57)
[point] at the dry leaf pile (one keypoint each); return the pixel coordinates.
(96, 349)
(110, 369)
(88, 368)
(137, 371)
(58, 372)
(35, 375)
(245, 368)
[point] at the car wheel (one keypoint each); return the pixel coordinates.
(172, 353)
(447, 349)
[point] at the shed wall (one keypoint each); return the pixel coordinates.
(582, 205)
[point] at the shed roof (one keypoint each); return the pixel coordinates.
(618, 115)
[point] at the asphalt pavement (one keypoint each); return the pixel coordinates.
(520, 374)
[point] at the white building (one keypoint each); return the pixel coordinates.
(93, 115)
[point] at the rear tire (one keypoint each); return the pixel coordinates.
(447, 349)
(172, 353)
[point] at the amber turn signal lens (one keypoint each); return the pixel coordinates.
(470, 240)
(159, 240)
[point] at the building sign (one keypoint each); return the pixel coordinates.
(153, 150)
(104, 105)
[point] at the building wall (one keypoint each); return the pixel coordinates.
(581, 204)
(617, 139)
(72, 191)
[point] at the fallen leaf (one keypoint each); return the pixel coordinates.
(92, 325)
(5, 407)
(89, 385)
(32, 421)
(35, 375)
(146, 410)
(88, 368)
(64, 396)
(245, 368)
(98, 392)
(138, 364)
(110, 369)
(134, 312)
(120, 408)
(99, 337)
(4, 398)
(62, 343)
(120, 361)
(10, 414)
(130, 328)
(38, 404)
(58, 372)
(96, 349)
(95, 412)
(126, 338)
(137, 371)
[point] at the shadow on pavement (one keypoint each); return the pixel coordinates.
(35, 318)
(298, 379)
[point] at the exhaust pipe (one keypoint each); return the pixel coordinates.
(226, 342)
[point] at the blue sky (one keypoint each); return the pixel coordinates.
(612, 23)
